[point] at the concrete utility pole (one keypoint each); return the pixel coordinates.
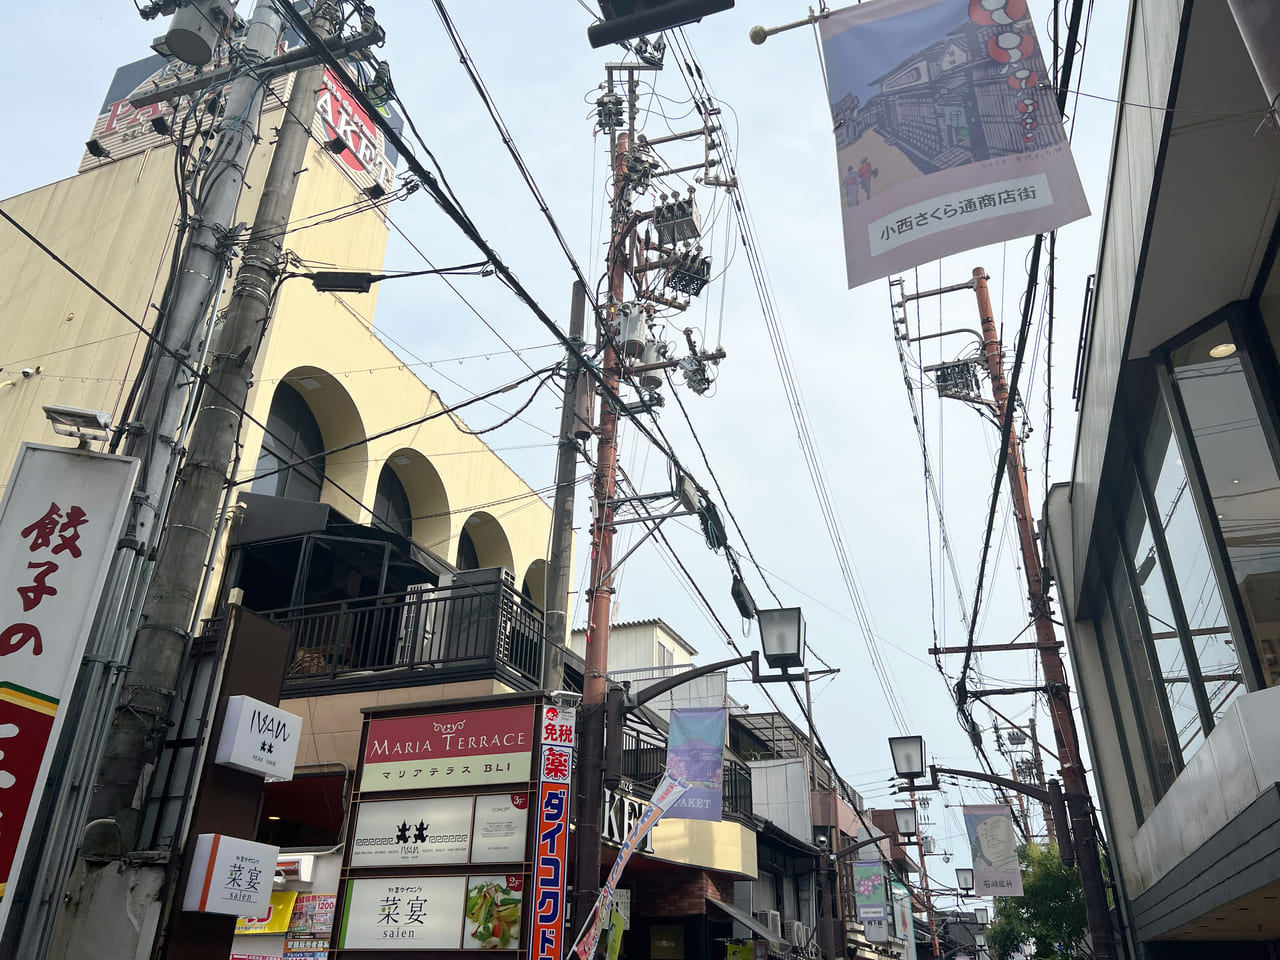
(1079, 803)
(163, 635)
(600, 589)
(924, 877)
(559, 570)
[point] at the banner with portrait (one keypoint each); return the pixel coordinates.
(997, 872)
(948, 134)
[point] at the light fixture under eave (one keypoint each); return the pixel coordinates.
(1221, 350)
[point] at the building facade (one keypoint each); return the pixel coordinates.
(1163, 545)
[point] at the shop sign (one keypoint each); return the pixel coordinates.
(259, 738)
(433, 830)
(620, 814)
(551, 859)
(475, 747)
(501, 826)
(433, 913)
(876, 931)
(230, 875)
(59, 522)
(275, 920)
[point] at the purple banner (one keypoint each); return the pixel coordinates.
(695, 754)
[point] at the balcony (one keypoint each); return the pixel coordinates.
(644, 760)
(477, 627)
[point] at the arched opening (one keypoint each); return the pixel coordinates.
(391, 510)
(340, 426)
(428, 502)
(483, 543)
(291, 462)
(534, 587)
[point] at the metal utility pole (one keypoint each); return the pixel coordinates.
(1079, 803)
(559, 569)
(163, 635)
(600, 590)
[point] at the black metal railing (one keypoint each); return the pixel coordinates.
(737, 789)
(479, 629)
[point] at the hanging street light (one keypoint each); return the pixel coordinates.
(908, 756)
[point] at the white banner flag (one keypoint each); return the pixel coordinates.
(948, 135)
(996, 869)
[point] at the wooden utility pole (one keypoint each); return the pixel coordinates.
(1079, 803)
(924, 877)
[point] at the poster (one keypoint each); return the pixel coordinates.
(313, 914)
(494, 913)
(997, 871)
(948, 135)
(501, 826)
(275, 920)
(435, 830)
(695, 753)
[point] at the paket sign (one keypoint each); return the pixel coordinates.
(448, 750)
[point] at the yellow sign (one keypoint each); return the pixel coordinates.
(277, 918)
(739, 951)
(615, 933)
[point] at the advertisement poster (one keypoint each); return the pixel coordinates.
(903, 922)
(551, 855)
(695, 753)
(501, 826)
(408, 913)
(494, 913)
(313, 914)
(996, 869)
(869, 890)
(59, 522)
(448, 750)
(948, 135)
(435, 830)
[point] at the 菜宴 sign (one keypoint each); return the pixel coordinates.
(470, 748)
(60, 519)
(258, 738)
(230, 875)
(479, 912)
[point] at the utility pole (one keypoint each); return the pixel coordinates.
(599, 584)
(559, 567)
(1049, 829)
(924, 878)
(1079, 803)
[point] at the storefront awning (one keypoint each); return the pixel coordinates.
(750, 922)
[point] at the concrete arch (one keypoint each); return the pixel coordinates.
(493, 548)
(535, 583)
(427, 497)
(340, 424)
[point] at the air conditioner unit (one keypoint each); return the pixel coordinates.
(772, 919)
(797, 934)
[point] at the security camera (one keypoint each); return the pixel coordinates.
(822, 841)
(28, 373)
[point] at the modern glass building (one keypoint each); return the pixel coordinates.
(1165, 545)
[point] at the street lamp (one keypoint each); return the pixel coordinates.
(964, 879)
(908, 756)
(984, 916)
(905, 818)
(782, 637)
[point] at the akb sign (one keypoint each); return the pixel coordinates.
(620, 814)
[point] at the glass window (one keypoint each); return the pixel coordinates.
(1142, 674)
(1215, 648)
(1163, 627)
(292, 436)
(1241, 476)
(391, 504)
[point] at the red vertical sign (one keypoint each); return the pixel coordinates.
(551, 859)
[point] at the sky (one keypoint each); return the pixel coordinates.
(544, 78)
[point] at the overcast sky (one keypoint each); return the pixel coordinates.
(543, 76)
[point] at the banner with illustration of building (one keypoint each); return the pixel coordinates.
(997, 871)
(695, 754)
(948, 134)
